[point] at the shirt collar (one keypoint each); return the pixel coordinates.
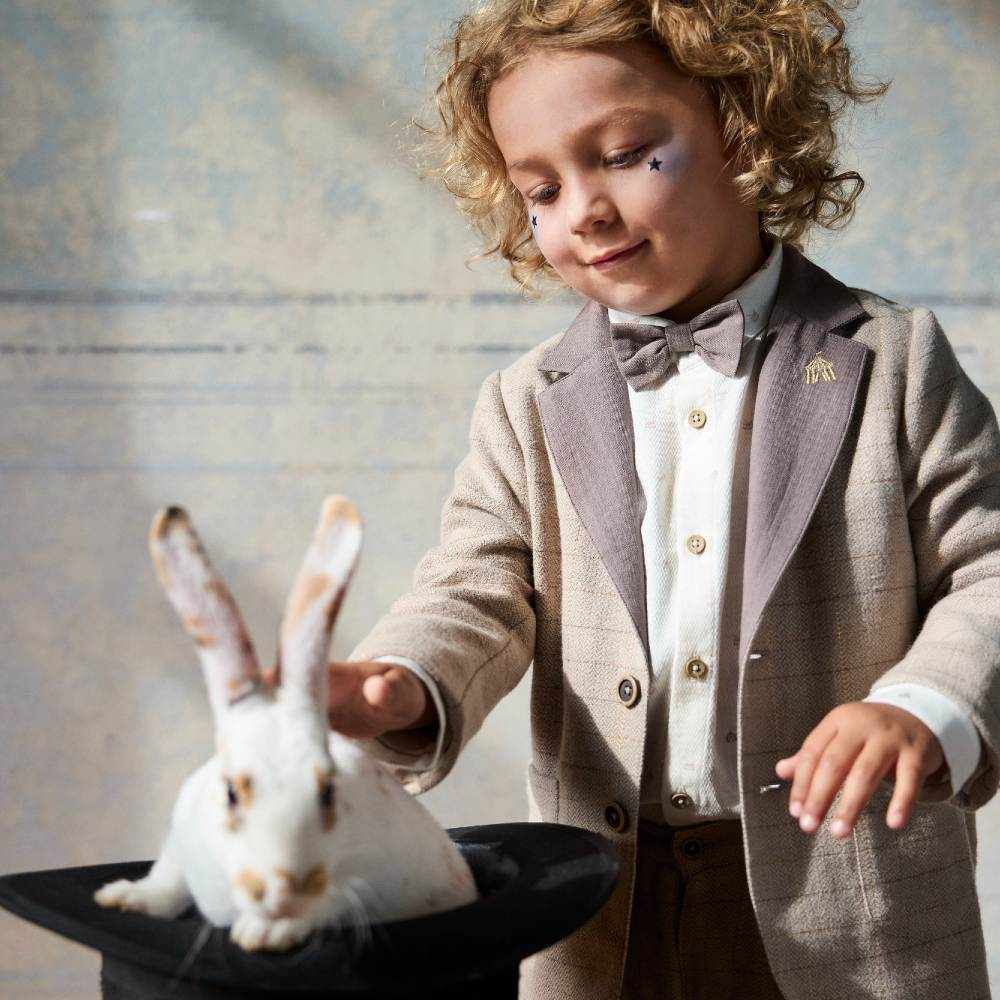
(756, 297)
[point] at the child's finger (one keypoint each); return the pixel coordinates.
(343, 680)
(829, 774)
(909, 778)
(869, 768)
(806, 760)
(785, 768)
(349, 711)
(396, 697)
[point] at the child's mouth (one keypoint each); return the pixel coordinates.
(618, 258)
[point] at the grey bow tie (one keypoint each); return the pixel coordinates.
(645, 352)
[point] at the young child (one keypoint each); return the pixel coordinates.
(744, 521)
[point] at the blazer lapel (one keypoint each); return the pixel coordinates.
(799, 425)
(799, 428)
(588, 425)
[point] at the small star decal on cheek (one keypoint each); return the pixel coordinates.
(654, 163)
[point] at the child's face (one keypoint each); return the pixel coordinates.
(614, 150)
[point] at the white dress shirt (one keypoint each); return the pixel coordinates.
(692, 439)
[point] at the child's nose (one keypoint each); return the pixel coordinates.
(589, 206)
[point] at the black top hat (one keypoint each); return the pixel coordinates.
(537, 883)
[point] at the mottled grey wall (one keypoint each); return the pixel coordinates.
(222, 286)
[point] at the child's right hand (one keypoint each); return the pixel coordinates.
(366, 699)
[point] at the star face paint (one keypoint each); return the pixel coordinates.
(620, 163)
(535, 216)
(669, 163)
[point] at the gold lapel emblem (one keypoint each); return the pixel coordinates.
(819, 368)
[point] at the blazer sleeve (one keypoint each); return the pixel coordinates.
(469, 619)
(949, 453)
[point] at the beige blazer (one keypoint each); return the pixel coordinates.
(872, 557)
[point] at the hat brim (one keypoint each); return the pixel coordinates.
(538, 882)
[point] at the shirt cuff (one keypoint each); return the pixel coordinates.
(421, 764)
(958, 737)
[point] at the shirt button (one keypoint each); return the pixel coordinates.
(628, 691)
(697, 418)
(615, 816)
(696, 544)
(696, 668)
(681, 800)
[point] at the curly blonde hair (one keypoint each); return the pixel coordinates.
(778, 72)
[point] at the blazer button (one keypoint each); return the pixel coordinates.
(615, 816)
(681, 800)
(628, 691)
(696, 668)
(696, 544)
(697, 418)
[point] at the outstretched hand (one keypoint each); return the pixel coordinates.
(856, 746)
(367, 699)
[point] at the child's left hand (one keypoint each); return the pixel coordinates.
(861, 742)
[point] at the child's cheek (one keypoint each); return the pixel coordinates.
(548, 226)
(536, 219)
(665, 171)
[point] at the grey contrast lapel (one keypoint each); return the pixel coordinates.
(798, 426)
(588, 425)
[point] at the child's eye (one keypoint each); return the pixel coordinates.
(544, 196)
(624, 159)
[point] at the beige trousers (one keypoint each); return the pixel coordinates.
(693, 934)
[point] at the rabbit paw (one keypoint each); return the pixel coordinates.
(142, 896)
(252, 932)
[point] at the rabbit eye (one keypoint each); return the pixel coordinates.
(326, 795)
(324, 790)
(231, 795)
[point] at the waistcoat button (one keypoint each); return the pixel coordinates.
(681, 800)
(697, 418)
(628, 691)
(693, 847)
(696, 544)
(615, 816)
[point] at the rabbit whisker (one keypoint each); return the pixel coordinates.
(204, 933)
(314, 942)
(354, 915)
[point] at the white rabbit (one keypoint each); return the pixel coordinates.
(289, 827)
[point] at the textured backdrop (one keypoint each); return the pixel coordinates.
(222, 285)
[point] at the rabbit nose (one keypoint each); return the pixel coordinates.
(285, 899)
(284, 880)
(285, 907)
(312, 883)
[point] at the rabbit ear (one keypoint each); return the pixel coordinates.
(206, 607)
(315, 598)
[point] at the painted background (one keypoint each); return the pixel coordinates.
(222, 285)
